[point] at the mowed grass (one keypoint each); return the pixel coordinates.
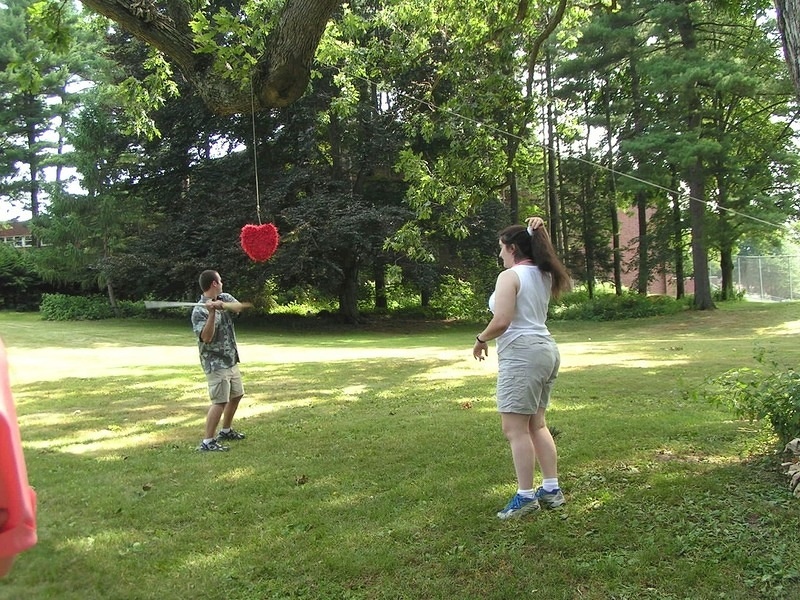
(375, 464)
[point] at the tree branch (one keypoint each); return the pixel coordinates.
(281, 74)
(549, 28)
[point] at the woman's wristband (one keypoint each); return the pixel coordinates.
(478, 337)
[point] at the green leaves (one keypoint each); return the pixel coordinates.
(233, 42)
(139, 98)
(49, 21)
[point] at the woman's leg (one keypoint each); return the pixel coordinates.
(516, 428)
(544, 445)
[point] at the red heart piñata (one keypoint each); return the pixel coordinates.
(259, 241)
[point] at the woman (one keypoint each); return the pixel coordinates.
(528, 359)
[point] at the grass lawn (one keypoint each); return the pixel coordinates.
(374, 466)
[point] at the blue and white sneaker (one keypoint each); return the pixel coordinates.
(518, 506)
(212, 446)
(552, 499)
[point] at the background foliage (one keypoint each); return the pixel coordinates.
(426, 128)
(375, 463)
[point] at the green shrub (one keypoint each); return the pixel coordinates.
(131, 308)
(414, 312)
(301, 309)
(770, 393)
(20, 286)
(299, 298)
(573, 298)
(61, 307)
(738, 296)
(610, 307)
(456, 299)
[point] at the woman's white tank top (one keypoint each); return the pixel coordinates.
(530, 311)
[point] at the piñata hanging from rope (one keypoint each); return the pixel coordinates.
(260, 241)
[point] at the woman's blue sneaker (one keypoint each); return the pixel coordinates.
(518, 506)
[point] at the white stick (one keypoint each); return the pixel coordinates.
(170, 304)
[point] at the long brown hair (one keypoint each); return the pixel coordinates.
(538, 248)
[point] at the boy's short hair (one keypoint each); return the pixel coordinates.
(207, 278)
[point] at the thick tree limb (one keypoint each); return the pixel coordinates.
(281, 75)
(788, 13)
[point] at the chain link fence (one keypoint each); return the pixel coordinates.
(768, 278)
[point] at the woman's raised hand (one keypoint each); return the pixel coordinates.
(534, 223)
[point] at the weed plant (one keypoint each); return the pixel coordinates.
(769, 392)
(374, 466)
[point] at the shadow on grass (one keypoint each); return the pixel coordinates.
(86, 415)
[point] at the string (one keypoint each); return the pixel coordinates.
(255, 149)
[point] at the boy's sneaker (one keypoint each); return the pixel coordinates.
(212, 446)
(552, 499)
(518, 506)
(230, 435)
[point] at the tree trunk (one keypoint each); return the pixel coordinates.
(33, 166)
(112, 298)
(695, 176)
(612, 189)
(638, 127)
(513, 197)
(788, 14)
(726, 264)
(425, 297)
(588, 238)
(697, 207)
(677, 242)
(725, 235)
(552, 197)
(587, 199)
(348, 295)
(381, 302)
(643, 277)
(617, 250)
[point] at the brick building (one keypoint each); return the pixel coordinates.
(662, 282)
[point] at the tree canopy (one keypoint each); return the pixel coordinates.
(272, 44)
(427, 126)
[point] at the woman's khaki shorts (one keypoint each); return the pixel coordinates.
(225, 384)
(527, 370)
